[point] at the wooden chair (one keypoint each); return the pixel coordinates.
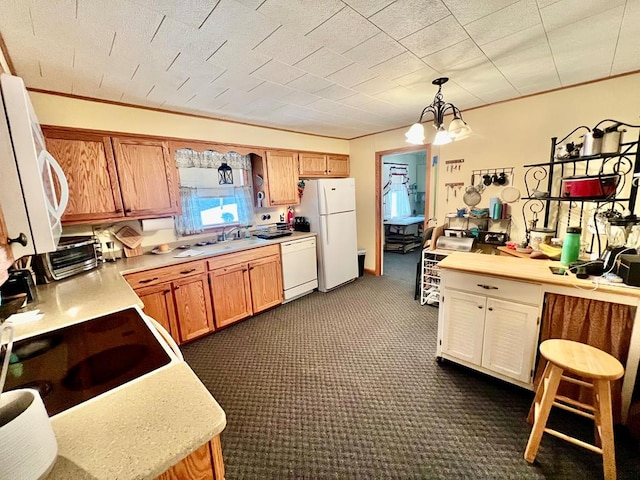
(597, 370)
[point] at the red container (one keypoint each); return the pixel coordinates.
(590, 186)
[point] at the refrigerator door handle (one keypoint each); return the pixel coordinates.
(325, 220)
(326, 202)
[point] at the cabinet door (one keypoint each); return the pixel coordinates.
(337, 166)
(312, 164)
(6, 256)
(510, 339)
(463, 326)
(282, 170)
(159, 305)
(265, 276)
(196, 466)
(88, 163)
(193, 307)
(231, 294)
(148, 177)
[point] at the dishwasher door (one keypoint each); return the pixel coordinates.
(299, 267)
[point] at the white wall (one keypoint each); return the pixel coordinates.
(507, 134)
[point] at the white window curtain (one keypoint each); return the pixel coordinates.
(396, 197)
(190, 221)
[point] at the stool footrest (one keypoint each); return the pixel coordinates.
(573, 440)
(582, 383)
(583, 409)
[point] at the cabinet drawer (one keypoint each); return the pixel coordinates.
(245, 256)
(502, 288)
(164, 274)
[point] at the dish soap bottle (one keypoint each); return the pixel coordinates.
(571, 246)
(290, 218)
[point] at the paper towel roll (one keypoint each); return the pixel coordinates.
(153, 224)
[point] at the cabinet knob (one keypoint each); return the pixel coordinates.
(185, 272)
(127, 210)
(487, 287)
(490, 309)
(176, 288)
(21, 239)
(166, 291)
(480, 306)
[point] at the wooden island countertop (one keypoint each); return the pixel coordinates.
(530, 270)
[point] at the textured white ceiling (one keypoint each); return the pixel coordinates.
(341, 68)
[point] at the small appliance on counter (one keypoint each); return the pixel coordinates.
(629, 269)
(75, 254)
(19, 281)
(301, 224)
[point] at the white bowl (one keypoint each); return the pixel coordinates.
(29, 446)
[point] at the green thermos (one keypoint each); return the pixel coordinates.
(571, 246)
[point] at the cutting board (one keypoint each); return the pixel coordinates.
(129, 238)
(132, 252)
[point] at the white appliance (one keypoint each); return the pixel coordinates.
(31, 202)
(330, 208)
(299, 267)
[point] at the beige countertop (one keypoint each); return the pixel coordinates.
(528, 270)
(103, 290)
(138, 430)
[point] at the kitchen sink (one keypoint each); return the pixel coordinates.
(234, 245)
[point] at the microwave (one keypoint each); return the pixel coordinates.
(33, 189)
(73, 255)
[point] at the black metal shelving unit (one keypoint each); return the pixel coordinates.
(537, 211)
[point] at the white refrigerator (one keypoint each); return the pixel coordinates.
(330, 207)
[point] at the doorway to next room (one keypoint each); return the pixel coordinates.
(403, 184)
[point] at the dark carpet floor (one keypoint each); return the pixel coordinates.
(401, 266)
(345, 385)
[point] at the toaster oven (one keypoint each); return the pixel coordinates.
(74, 255)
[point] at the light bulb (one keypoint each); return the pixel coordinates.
(415, 135)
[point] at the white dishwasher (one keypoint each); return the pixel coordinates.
(299, 267)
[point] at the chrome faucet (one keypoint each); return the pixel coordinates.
(226, 234)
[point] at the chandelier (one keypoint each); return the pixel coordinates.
(457, 130)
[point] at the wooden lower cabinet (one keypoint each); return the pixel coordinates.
(204, 464)
(231, 294)
(159, 305)
(193, 307)
(245, 283)
(190, 303)
(182, 306)
(265, 277)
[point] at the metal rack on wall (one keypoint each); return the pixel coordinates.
(544, 196)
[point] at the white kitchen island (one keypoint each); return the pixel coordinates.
(491, 315)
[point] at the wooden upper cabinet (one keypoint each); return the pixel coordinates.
(6, 256)
(312, 164)
(88, 163)
(337, 166)
(147, 177)
(282, 172)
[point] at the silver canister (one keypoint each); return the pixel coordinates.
(611, 141)
(591, 145)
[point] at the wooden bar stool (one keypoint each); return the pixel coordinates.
(598, 369)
